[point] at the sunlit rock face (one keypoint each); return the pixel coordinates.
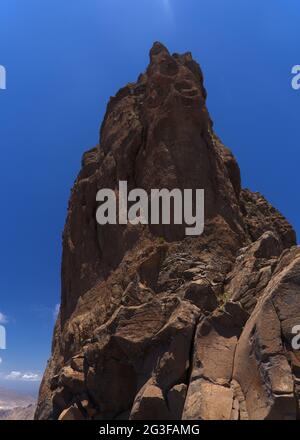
(154, 324)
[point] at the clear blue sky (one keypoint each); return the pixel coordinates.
(64, 59)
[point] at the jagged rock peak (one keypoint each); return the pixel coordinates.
(158, 49)
(154, 324)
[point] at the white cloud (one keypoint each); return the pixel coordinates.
(56, 311)
(14, 375)
(27, 377)
(3, 318)
(31, 376)
(0, 361)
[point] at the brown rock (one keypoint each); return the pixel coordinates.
(72, 379)
(261, 362)
(150, 404)
(71, 413)
(77, 363)
(202, 295)
(208, 401)
(176, 399)
(148, 313)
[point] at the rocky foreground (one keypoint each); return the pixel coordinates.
(155, 325)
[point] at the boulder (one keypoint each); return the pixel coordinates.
(71, 413)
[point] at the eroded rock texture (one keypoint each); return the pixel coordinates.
(155, 325)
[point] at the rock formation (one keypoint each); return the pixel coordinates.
(156, 325)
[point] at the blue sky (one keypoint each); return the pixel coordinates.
(64, 59)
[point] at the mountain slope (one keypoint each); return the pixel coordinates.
(18, 413)
(16, 406)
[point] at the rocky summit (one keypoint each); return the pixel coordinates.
(156, 325)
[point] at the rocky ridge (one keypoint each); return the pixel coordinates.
(156, 325)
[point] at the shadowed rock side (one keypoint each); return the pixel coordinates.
(155, 325)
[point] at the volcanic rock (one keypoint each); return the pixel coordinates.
(154, 324)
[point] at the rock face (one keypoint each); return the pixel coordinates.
(156, 325)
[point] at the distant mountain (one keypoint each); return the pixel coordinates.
(20, 413)
(16, 406)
